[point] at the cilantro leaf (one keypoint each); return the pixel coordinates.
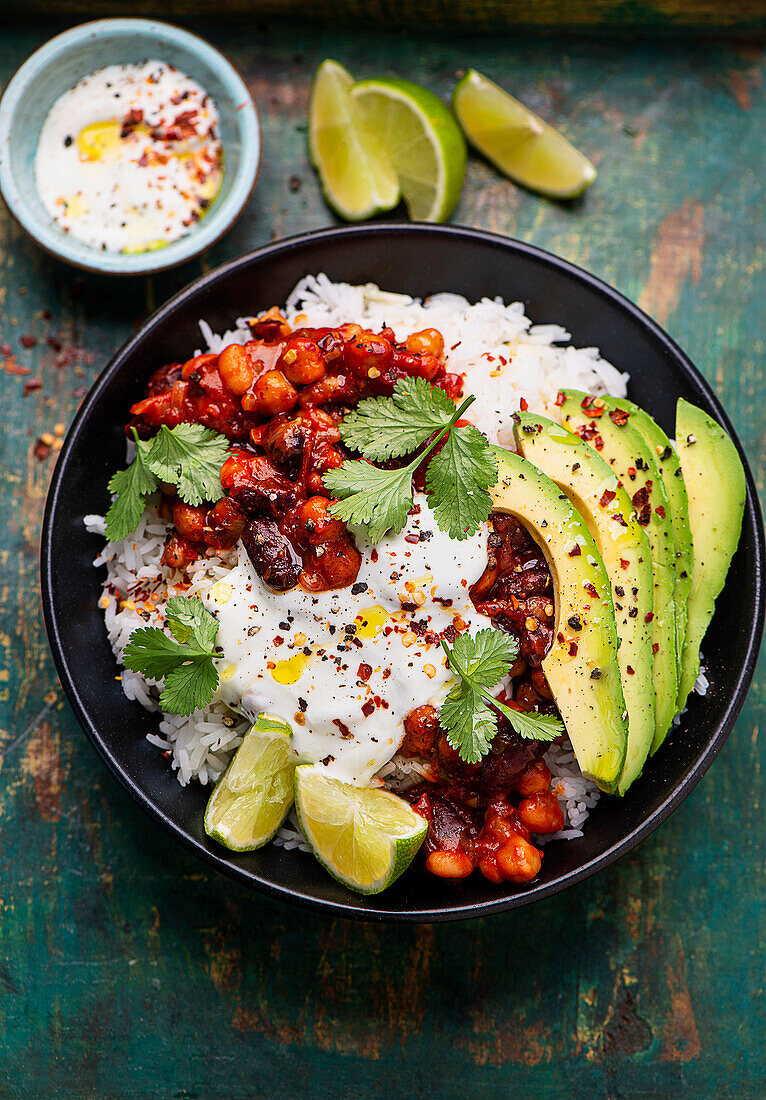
(188, 618)
(132, 486)
(189, 686)
(389, 427)
(184, 661)
(374, 500)
(458, 478)
(377, 500)
(190, 457)
(468, 715)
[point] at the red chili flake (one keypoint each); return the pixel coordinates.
(345, 731)
(412, 538)
(27, 341)
(598, 442)
(278, 640)
(364, 672)
(630, 671)
(655, 648)
(575, 551)
(560, 638)
(32, 384)
(14, 367)
(368, 708)
(619, 518)
(640, 501)
(592, 589)
(607, 497)
(619, 416)
(523, 405)
(41, 450)
(648, 616)
(374, 555)
(660, 510)
(573, 649)
(624, 563)
(560, 399)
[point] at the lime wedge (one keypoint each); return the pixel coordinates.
(356, 176)
(252, 798)
(364, 836)
(422, 140)
(517, 142)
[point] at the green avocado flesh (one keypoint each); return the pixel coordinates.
(625, 450)
(592, 487)
(672, 478)
(715, 482)
(581, 665)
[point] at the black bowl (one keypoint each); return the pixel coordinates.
(417, 260)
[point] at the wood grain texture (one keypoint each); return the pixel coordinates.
(127, 970)
(467, 15)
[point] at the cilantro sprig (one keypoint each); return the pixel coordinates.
(184, 661)
(188, 456)
(457, 477)
(468, 715)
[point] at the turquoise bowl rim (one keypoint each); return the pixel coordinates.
(215, 223)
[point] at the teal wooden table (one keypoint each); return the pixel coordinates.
(127, 969)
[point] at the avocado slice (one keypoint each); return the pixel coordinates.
(673, 479)
(715, 481)
(581, 665)
(594, 490)
(625, 450)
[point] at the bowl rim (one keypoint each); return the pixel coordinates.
(680, 791)
(211, 228)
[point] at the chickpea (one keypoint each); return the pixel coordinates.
(519, 861)
(235, 369)
(224, 524)
(535, 779)
(500, 821)
(178, 553)
(339, 562)
(489, 868)
(189, 521)
(421, 727)
(301, 362)
(454, 864)
(194, 364)
(323, 392)
(429, 341)
(541, 813)
(271, 394)
(317, 523)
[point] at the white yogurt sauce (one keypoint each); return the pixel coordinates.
(129, 159)
(345, 716)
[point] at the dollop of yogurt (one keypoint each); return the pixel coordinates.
(345, 667)
(129, 159)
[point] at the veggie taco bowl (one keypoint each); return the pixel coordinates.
(238, 580)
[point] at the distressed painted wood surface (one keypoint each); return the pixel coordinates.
(128, 970)
(594, 16)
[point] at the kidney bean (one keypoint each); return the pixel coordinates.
(271, 554)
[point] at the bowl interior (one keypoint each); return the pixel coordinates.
(419, 261)
(59, 65)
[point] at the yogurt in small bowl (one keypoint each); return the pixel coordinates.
(127, 145)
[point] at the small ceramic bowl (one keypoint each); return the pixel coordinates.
(66, 59)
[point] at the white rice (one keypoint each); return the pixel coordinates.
(505, 358)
